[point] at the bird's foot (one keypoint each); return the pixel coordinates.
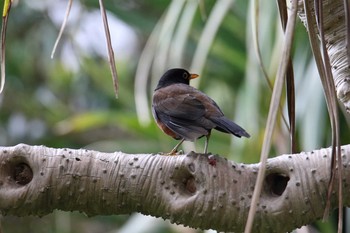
(175, 152)
(172, 153)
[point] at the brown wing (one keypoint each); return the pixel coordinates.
(180, 107)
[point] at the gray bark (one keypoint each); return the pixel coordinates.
(187, 189)
(335, 30)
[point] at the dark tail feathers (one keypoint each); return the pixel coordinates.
(225, 125)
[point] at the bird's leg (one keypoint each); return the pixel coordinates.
(206, 143)
(173, 151)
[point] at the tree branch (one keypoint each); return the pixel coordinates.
(336, 35)
(187, 189)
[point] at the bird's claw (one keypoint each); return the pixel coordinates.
(172, 153)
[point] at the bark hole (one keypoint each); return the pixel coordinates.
(191, 185)
(276, 183)
(15, 171)
(22, 173)
(185, 183)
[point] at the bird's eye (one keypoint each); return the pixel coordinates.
(185, 75)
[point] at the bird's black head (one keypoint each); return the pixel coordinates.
(174, 76)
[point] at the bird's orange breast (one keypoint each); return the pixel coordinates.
(167, 131)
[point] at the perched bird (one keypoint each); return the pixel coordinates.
(185, 113)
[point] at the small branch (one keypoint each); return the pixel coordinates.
(63, 26)
(110, 49)
(35, 180)
(274, 106)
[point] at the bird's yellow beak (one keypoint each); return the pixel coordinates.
(193, 76)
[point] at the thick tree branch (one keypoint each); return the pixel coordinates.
(187, 189)
(336, 39)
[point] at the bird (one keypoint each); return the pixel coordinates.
(185, 113)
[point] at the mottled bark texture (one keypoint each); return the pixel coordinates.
(187, 189)
(335, 31)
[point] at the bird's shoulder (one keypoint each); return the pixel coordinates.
(185, 96)
(181, 94)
